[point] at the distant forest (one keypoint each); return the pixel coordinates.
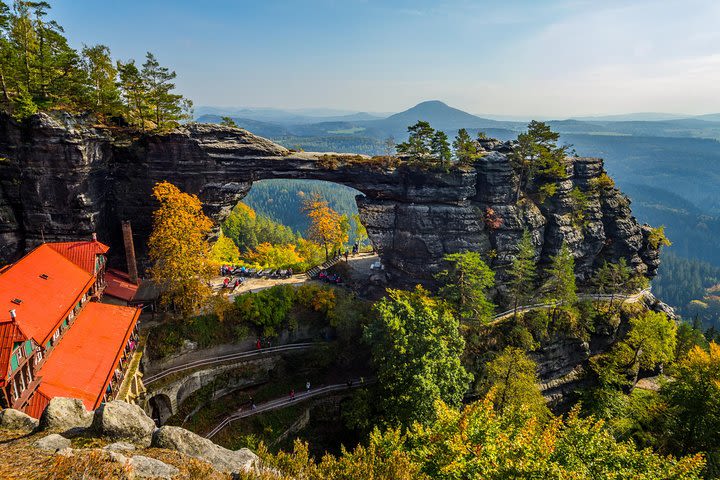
(691, 286)
(282, 200)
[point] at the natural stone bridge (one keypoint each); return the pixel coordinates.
(64, 178)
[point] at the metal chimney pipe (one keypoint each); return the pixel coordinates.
(94, 237)
(12, 314)
(130, 252)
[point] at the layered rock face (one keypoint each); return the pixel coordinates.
(62, 178)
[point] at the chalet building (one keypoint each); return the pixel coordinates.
(56, 338)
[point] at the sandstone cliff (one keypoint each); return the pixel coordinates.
(62, 178)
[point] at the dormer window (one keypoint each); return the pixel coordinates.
(16, 301)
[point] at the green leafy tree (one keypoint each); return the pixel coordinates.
(511, 380)
(466, 150)
(418, 145)
(440, 147)
(650, 342)
(466, 282)
(416, 347)
(523, 272)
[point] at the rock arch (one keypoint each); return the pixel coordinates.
(161, 408)
(66, 178)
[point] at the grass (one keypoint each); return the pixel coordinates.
(20, 459)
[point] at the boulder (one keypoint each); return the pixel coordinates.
(53, 443)
(184, 441)
(65, 414)
(16, 420)
(123, 421)
(146, 467)
(120, 447)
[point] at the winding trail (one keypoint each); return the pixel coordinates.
(231, 357)
(285, 401)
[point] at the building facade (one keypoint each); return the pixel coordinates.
(56, 339)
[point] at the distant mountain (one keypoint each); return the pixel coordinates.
(710, 117)
(287, 117)
(633, 117)
(439, 114)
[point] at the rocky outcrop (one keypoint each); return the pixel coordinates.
(16, 420)
(123, 421)
(224, 460)
(146, 467)
(63, 414)
(53, 443)
(61, 178)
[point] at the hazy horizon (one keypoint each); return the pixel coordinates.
(554, 59)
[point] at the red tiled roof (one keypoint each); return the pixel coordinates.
(84, 360)
(44, 302)
(37, 404)
(118, 285)
(81, 254)
(9, 334)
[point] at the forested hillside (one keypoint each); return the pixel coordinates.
(691, 286)
(282, 200)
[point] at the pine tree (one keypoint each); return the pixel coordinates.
(137, 106)
(561, 282)
(465, 286)
(103, 78)
(537, 155)
(167, 107)
(418, 145)
(466, 150)
(523, 272)
(440, 147)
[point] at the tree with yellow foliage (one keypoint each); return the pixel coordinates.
(179, 249)
(327, 227)
(693, 398)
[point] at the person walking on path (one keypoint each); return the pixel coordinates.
(252, 403)
(292, 394)
(307, 386)
(258, 345)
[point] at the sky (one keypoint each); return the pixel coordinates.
(547, 58)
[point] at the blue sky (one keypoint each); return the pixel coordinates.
(522, 57)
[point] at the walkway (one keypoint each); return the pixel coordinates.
(634, 298)
(232, 357)
(285, 401)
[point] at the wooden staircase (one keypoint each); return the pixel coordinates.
(312, 273)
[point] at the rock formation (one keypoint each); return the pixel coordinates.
(62, 177)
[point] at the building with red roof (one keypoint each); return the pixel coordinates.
(56, 340)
